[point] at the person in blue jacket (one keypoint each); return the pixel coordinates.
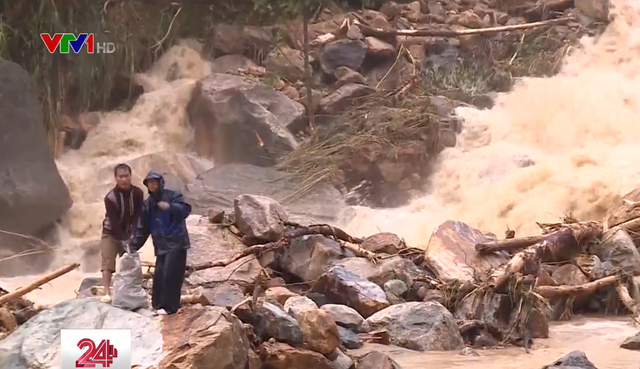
(163, 217)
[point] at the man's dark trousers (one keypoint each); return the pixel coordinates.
(167, 280)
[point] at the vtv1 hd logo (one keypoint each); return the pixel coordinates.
(65, 42)
(95, 348)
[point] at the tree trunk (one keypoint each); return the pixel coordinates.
(37, 283)
(511, 244)
(562, 245)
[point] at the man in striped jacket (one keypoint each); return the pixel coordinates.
(123, 206)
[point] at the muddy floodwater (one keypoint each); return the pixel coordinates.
(599, 338)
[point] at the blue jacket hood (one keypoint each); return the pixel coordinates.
(154, 175)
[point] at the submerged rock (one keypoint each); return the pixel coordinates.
(632, 343)
(573, 360)
(282, 356)
(377, 360)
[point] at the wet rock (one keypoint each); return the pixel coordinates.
(225, 294)
(260, 218)
(282, 356)
(253, 361)
(354, 33)
(451, 252)
(392, 268)
(341, 99)
(412, 12)
(272, 322)
(377, 360)
(33, 196)
(596, 9)
(287, 63)
(492, 308)
(345, 316)
(279, 295)
(468, 351)
(217, 187)
(243, 272)
(632, 343)
(422, 326)
(396, 287)
(345, 76)
(342, 53)
(236, 39)
(213, 338)
(239, 119)
(571, 275)
(379, 49)
(344, 287)
(231, 63)
(385, 242)
(349, 338)
(209, 243)
(87, 283)
(617, 247)
(309, 256)
(573, 360)
(296, 305)
(340, 360)
(319, 330)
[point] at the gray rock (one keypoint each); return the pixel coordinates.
(386, 242)
(345, 317)
(297, 304)
(396, 287)
(422, 326)
(468, 351)
(243, 272)
(342, 53)
(617, 247)
(341, 99)
(209, 242)
(240, 120)
(231, 63)
(349, 338)
(573, 360)
(286, 62)
(345, 287)
(218, 187)
(309, 256)
(33, 195)
(273, 322)
(260, 218)
(225, 294)
(632, 343)
(156, 342)
(392, 268)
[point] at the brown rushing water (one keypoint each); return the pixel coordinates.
(599, 338)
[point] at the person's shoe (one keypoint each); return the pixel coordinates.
(161, 312)
(106, 299)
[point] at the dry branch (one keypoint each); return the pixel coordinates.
(379, 32)
(37, 283)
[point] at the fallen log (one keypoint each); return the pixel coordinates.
(511, 244)
(562, 245)
(37, 283)
(550, 292)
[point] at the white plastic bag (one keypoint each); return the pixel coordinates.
(128, 293)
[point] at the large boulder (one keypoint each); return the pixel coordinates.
(241, 120)
(451, 252)
(617, 247)
(422, 326)
(33, 195)
(204, 338)
(573, 360)
(218, 187)
(342, 286)
(260, 218)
